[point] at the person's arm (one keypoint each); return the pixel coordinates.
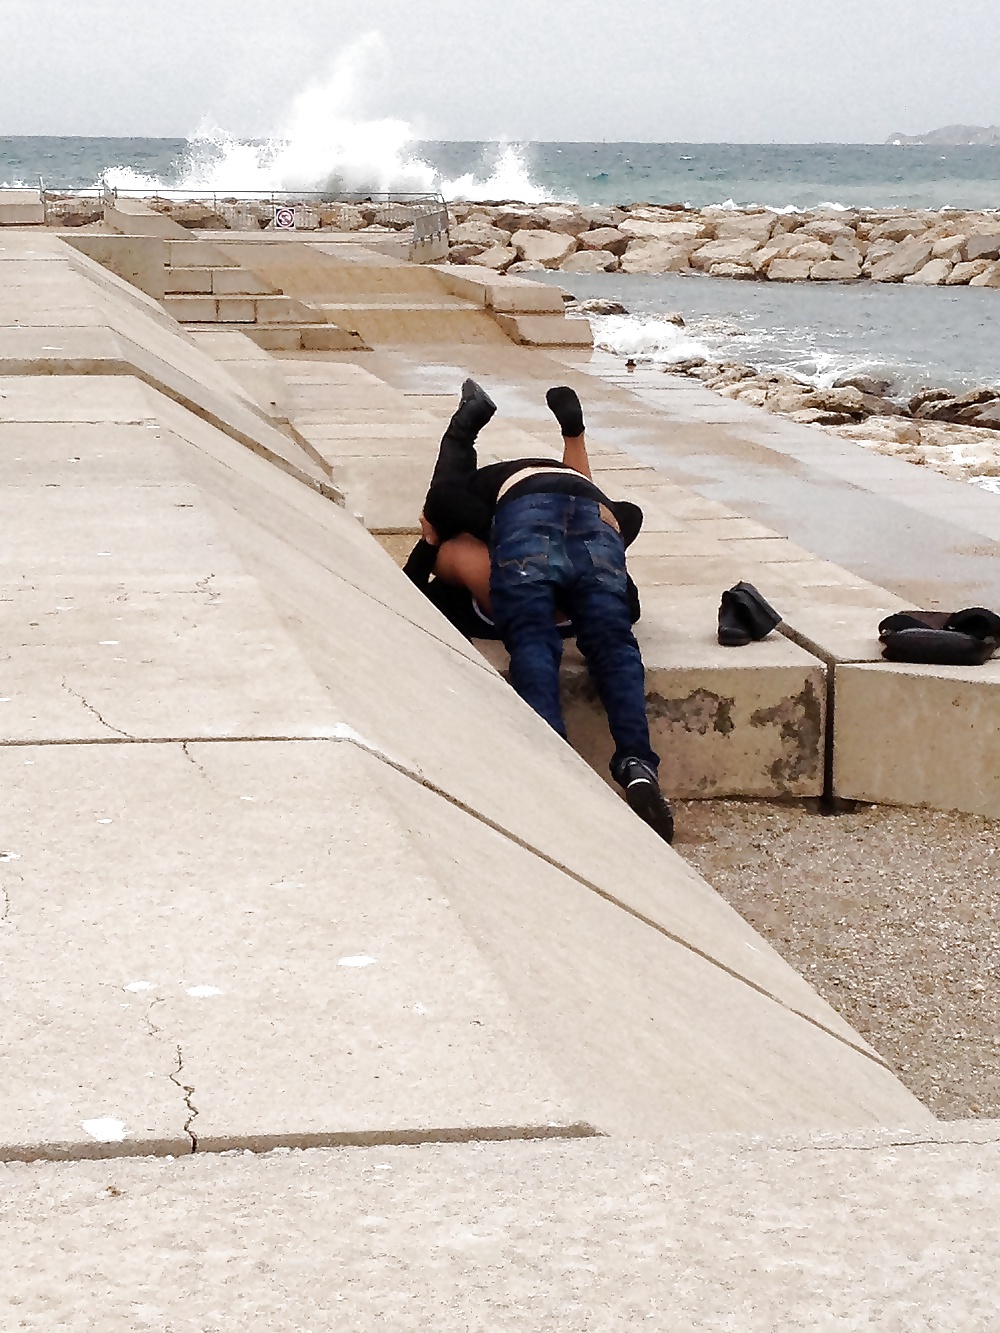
(575, 454)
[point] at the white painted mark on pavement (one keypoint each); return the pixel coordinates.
(139, 985)
(203, 992)
(361, 960)
(105, 1130)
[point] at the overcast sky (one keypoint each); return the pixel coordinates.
(658, 70)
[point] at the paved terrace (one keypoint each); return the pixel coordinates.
(286, 866)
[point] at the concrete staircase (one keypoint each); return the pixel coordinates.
(206, 286)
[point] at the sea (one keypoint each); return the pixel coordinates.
(913, 336)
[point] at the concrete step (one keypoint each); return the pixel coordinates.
(253, 308)
(546, 330)
(203, 281)
(305, 338)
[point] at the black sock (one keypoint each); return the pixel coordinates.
(565, 407)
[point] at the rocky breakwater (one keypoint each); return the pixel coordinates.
(957, 434)
(948, 248)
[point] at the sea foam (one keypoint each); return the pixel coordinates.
(324, 146)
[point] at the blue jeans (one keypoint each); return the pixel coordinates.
(552, 551)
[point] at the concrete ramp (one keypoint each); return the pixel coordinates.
(331, 923)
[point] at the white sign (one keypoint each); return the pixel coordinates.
(284, 218)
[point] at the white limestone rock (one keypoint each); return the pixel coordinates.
(789, 270)
(478, 232)
(548, 248)
(604, 238)
(590, 261)
(908, 258)
(730, 251)
(933, 274)
(496, 257)
(653, 256)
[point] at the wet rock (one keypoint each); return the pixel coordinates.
(876, 253)
(988, 417)
(548, 248)
(604, 238)
(867, 384)
(526, 266)
(828, 230)
(597, 305)
(738, 272)
(948, 247)
(341, 217)
(686, 366)
(927, 394)
(818, 416)
(604, 217)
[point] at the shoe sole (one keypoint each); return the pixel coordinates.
(648, 802)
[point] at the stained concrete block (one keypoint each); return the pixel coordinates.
(919, 735)
(239, 282)
(135, 217)
(189, 282)
(503, 294)
(21, 208)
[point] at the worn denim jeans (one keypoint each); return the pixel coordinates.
(548, 551)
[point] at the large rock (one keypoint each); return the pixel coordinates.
(464, 254)
(548, 248)
(730, 270)
(898, 229)
(869, 385)
(604, 217)
(933, 274)
(652, 256)
(789, 270)
(990, 277)
(731, 251)
(981, 247)
(910, 257)
(835, 270)
(949, 247)
(478, 232)
(678, 233)
(815, 251)
(497, 257)
(964, 273)
(590, 261)
(604, 238)
(829, 230)
(519, 219)
(752, 226)
(846, 251)
(877, 251)
(569, 221)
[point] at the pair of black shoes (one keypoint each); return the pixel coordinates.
(477, 408)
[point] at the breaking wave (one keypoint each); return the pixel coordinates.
(323, 146)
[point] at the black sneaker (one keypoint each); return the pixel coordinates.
(642, 791)
(476, 407)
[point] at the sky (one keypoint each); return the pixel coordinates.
(657, 70)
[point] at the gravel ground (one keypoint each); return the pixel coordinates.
(893, 915)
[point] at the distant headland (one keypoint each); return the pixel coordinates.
(952, 136)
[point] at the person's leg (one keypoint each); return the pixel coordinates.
(456, 460)
(598, 602)
(524, 573)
